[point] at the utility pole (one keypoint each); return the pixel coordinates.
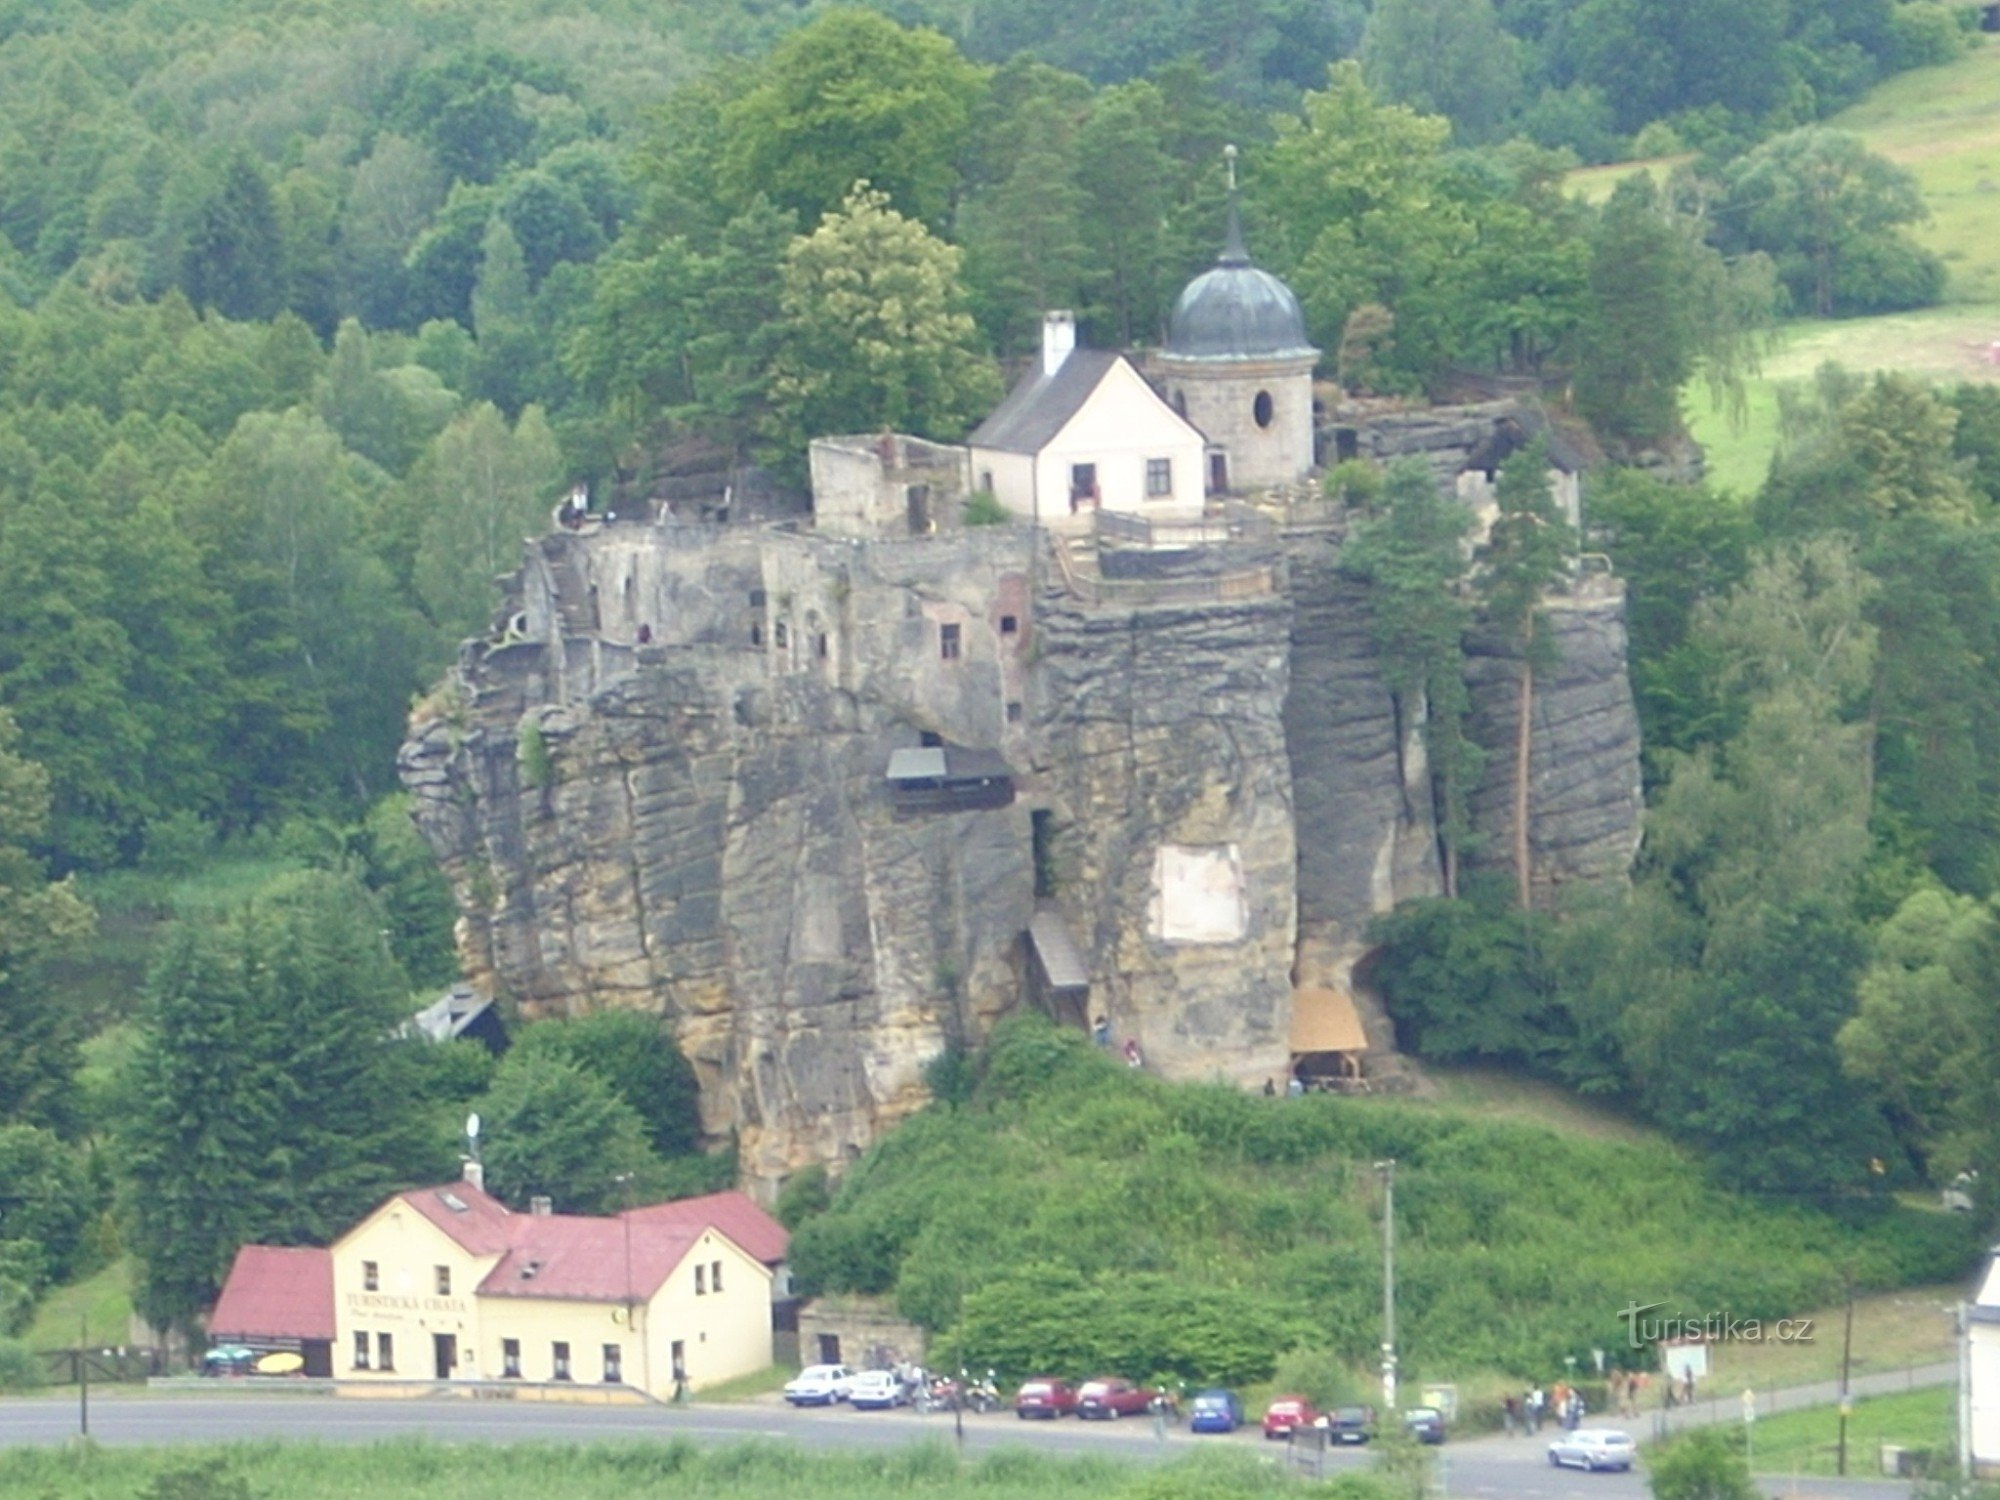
(1964, 1391)
(83, 1375)
(1387, 1172)
(1846, 1402)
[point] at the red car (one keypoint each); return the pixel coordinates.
(1044, 1397)
(1111, 1398)
(1287, 1413)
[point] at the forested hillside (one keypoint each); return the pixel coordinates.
(308, 313)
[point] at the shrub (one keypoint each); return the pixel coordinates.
(983, 508)
(19, 1368)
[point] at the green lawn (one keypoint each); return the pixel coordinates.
(1807, 1442)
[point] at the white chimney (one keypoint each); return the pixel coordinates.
(540, 1206)
(475, 1173)
(1058, 339)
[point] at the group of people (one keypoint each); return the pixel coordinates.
(1564, 1405)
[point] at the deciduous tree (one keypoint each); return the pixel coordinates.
(875, 333)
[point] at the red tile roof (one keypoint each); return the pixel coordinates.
(481, 1224)
(276, 1292)
(596, 1260)
(735, 1214)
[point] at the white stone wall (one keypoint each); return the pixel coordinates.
(1221, 398)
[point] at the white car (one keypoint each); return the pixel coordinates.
(875, 1389)
(819, 1385)
(1594, 1448)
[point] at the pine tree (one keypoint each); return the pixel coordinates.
(1527, 554)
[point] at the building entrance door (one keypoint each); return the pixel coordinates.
(445, 1347)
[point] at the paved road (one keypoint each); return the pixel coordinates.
(1485, 1468)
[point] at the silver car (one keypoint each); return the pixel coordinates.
(1594, 1448)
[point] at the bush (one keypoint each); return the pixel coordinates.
(1923, 34)
(20, 1370)
(1319, 1375)
(983, 508)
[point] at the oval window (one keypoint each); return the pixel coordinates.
(1261, 409)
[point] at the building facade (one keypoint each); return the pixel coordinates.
(447, 1285)
(1084, 431)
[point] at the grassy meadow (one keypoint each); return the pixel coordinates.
(1942, 125)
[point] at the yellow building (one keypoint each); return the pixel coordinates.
(448, 1284)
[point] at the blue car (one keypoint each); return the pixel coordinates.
(1215, 1411)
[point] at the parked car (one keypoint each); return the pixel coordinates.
(1215, 1411)
(1426, 1424)
(819, 1385)
(874, 1390)
(1109, 1397)
(1349, 1424)
(1287, 1413)
(1593, 1448)
(1044, 1397)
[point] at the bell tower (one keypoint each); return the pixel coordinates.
(1238, 365)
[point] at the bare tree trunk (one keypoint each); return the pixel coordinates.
(1523, 739)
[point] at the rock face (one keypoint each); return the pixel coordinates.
(698, 825)
(1584, 796)
(662, 785)
(1173, 853)
(1367, 836)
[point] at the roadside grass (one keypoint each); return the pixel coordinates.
(1895, 1330)
(1807, 1442)
(101, 1303)
(758, 1383)
(611, 1471)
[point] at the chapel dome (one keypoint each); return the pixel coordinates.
(1235, 311)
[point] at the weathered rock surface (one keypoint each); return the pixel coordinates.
(711, 838)
(1165, 750)
(1367, 836)
(1584, 797)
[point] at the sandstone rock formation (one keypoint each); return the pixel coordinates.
(661, 785)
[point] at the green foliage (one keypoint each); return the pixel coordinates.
(852, 97)
(1923, 1032)
(983, 508)
(1320, 1376)
(20, 1370)
(1707, 1464)
(636, 1056)
(1112, 1218)
(553, 1129)
(1412, 557)
(537, 771)
(1663, 307)
(806, 1192)
(1830, 214)
(270, 1098)
(875, 333)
